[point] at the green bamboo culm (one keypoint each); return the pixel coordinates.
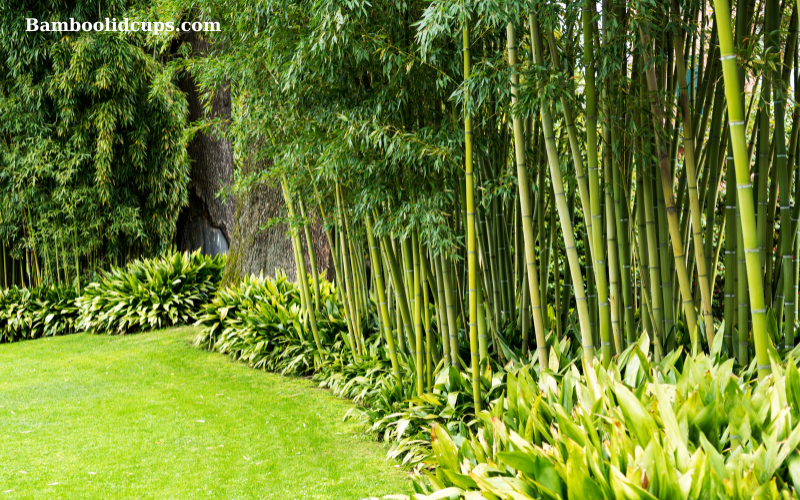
(598, 252)
(562, 206)
(523, 180)
(302, 279)
(691, 174)
(744, 186)
(666, 181)
(418, 312)
(472, 257)
(312, 256)
(383, 310)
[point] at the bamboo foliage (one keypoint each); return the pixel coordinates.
(508, 182)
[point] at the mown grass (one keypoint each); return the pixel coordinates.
(150, 416)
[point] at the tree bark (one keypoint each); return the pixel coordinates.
(233, 226)
(207, 222)
(256, 251)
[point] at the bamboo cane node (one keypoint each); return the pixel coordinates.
(605, 343)
(751, 250)
(738, 123)
(764, 367)
(759, 311)
(781, 156)
(749, 185)
(603, 304)
(587, 346)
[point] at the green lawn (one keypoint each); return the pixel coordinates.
(150, 416)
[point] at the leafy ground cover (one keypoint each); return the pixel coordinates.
(149, 416)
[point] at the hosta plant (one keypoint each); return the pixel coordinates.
(152, 293)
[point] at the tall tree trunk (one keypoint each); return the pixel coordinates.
(233, 225)
(207, 222)
(255, 251)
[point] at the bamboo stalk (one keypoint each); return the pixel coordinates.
(562, 206)
(418, 313)
(525, 206)
(472, 257)
(667, 178)
(598, 251)
(302, 279)
(744, 186)
(380, 290)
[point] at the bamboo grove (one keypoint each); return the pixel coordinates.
(502, 179)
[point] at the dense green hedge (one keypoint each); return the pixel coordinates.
(39, 312)
(151, 293)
